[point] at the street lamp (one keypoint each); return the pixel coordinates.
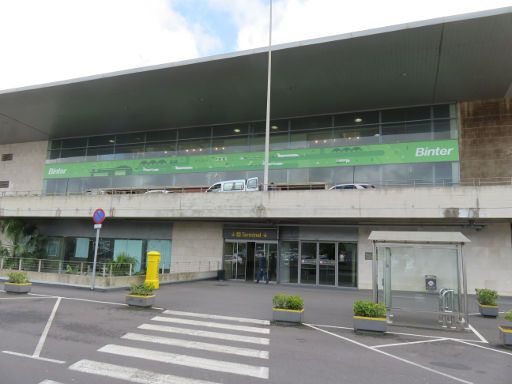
(267, 122)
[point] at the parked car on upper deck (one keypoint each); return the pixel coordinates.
(353, 186)
(249, 185)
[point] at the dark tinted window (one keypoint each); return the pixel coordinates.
(194, 133)
(161, 135)
(102, 140)
(311, 123)
(55, 144)
(230, 130)
(441, 111)
(130, 138)
(358, 118)
(276, 126)
(406, 114)
(100, 151)
(74, 143)
(77, 152)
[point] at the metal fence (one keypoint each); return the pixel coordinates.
(104, 269)
(411, 183)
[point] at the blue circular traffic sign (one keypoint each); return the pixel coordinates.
(98, 216)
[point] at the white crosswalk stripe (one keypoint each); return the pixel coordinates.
(231, 327)
(177, 345)
(130, 374)
(188, 361)
(197, 345)
(212, 335)
(218, 317)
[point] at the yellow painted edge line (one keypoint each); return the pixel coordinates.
(287, 310)
(142, 296)
(18, 283)
(370, 318)
(505, 330)
(488, 306)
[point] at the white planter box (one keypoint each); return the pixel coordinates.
(17, 288)
(287, 315)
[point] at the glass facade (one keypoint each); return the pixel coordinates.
(201, 148)
(81, 249)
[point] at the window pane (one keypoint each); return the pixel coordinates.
(129, 151)
(288, 261)
(100, 151)
(163, 149)
(161, 135)
(310, 123)
(231, 130)
(74, 143)
(232, 144)
(54, 154)
(405, 114)
(194, 133)
(193, 147)
(276, 126)
(356, 119)
(368, 174)
(442, 129)
(130, 138)
(55, 144)
(79, 152)
(102, 140)
(441, 111)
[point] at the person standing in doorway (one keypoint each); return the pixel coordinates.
(262, 269)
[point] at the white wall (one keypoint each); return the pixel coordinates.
(25, 171)
(194, 242)
(489, 258)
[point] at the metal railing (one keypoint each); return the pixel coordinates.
(66, 267)
(412, 183)
(104, 269)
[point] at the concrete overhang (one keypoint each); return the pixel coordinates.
(458, 58)
(418, 237)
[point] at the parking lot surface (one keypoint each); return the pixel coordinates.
(219, 332)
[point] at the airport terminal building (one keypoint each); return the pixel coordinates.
(421, 111)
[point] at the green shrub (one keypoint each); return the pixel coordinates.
(508, 315)
(366, 308)
(18, 278)
(487, 296)
(282, 301)
(143, 289)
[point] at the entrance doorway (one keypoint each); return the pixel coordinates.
(242, 259)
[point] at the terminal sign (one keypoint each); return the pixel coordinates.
(98, 216)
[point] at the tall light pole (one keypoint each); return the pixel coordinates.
(267, 121)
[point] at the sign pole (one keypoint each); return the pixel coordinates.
(98, 217)
(97, 227)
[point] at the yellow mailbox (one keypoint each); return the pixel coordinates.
(152, 269)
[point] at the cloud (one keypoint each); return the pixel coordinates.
(295, 20)
(51, 40)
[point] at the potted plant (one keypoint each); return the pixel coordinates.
(287, 308)
(18, 283)
(487, 302)
(141, 295)
(369, 316)
(506, 330)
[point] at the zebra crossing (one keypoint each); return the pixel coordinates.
(229, 348)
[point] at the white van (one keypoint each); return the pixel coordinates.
(249, 185)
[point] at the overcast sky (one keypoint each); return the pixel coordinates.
(50, 40)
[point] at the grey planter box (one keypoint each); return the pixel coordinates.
(17, 288)
(488, 310)
(287, 315)
(370, 324)
(140, 301)
(505, 335)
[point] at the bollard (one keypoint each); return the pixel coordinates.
(152, 269)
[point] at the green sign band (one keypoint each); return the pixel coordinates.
(414, 152)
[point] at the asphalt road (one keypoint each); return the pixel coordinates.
(72, 336)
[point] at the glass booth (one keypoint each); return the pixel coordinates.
(420, 277)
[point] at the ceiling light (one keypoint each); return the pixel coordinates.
(358, 119)
(236, 130)
(112, 141)
(274, 127)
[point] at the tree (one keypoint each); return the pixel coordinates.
(25, 238)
